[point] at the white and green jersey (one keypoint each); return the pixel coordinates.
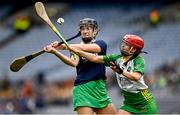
(134, 65)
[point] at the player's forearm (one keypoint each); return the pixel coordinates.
(93, 48)
(77, 46)
(132, 75)
(90, 56)
(65, 59)
(57, 46)
(64, 47)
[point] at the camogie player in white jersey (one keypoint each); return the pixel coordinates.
(129, 67)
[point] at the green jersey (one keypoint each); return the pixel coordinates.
(134, 65)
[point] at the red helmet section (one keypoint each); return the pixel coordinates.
(134, 41)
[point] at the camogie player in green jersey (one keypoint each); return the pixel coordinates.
(129, 68)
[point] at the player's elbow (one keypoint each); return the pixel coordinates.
(74, 64)
(137, 78)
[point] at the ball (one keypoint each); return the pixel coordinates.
(60, 20)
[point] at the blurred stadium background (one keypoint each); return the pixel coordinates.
(44, 85)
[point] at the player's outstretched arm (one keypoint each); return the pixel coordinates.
(87, 47)
(89, 56)
(69, 61)
(84, 47)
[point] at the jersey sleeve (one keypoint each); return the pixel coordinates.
(102, 45)
(139, 65)
(108, 58)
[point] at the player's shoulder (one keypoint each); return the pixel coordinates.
(139, 58)
(100, 41)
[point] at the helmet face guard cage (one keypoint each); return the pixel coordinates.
(134, 40)
(88, 21)
(91, 22)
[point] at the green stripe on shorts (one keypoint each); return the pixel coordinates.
(92, 94)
